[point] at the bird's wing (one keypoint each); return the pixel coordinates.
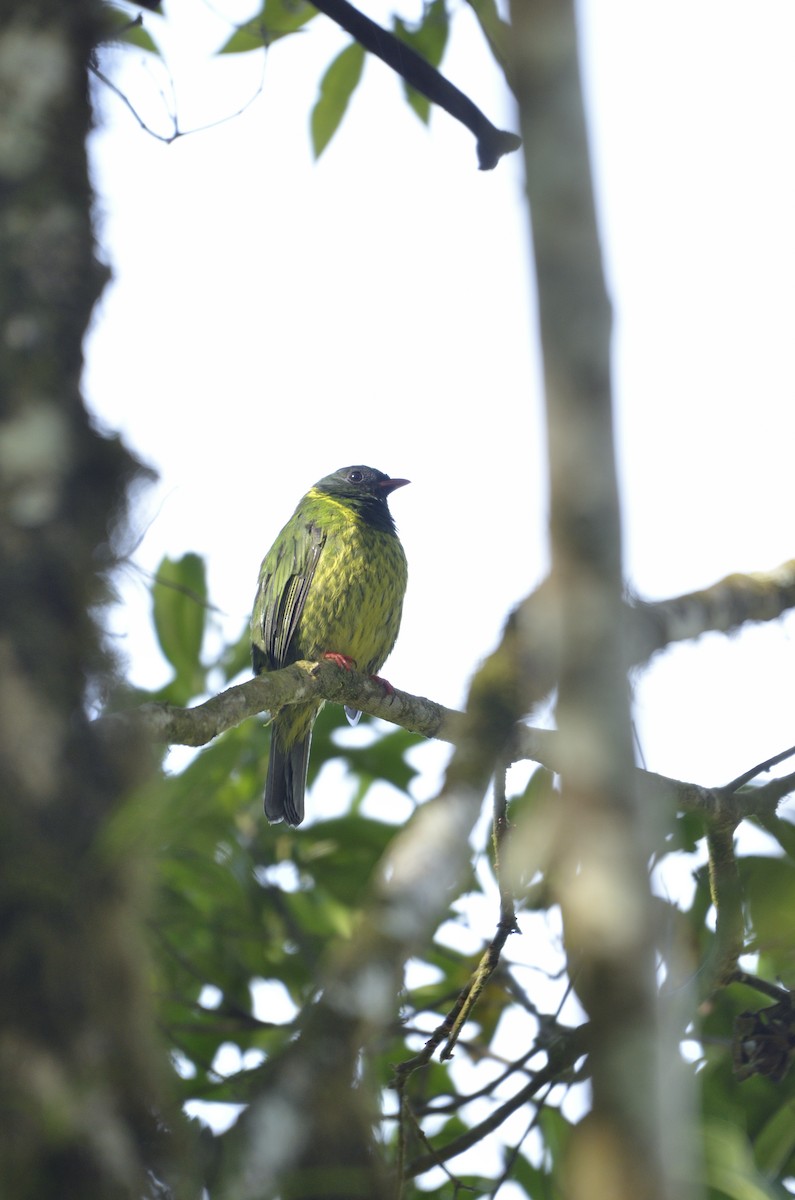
(284, 582)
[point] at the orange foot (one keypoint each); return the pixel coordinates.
(342, 660)
(385, 684)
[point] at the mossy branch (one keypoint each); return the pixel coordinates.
(170, 725)
(726, 892)
(296, 684)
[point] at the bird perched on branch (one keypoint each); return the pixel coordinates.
(332, 586)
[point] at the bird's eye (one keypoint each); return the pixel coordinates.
(355, 476)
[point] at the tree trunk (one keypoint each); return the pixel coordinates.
(78, 1075)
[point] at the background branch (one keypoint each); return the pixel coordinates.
(721, 607)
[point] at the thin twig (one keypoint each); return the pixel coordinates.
(425, 1140)
(561, 1059)
(506, 925)
(168, 139)
(511, 1156)
(747, 776)
(458, 1101)
(760, 985)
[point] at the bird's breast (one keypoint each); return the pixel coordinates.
(355, 601)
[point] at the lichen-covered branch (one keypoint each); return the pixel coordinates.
(722, 607)
(269, 691)
(170, 725)
(724, 885)
(521, 671)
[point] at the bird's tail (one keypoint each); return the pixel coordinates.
(286, 782)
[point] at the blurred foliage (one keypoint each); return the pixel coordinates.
(246, 914)
(179, 612)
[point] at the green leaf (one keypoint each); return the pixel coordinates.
(556, 1131)
(687, 830)
(277, 19)
(781, 829)
(341, 854)
(130, 30)
(336, 89)
(730, 1166)
(769, 888)
(496, 31)
(429, 39)
(248, 37)
(179, 608)
(536, 1181)
(236, 656)
(774, 1145)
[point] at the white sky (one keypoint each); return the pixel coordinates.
(273, 319)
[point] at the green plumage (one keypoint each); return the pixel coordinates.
(332, 583)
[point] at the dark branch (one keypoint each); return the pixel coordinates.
(492, 143)
(760, 769)
(571, 1047)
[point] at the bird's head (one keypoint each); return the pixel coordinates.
(357, 483)
(362, 489)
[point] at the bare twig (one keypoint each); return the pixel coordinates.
(176, 132)
(510, 1156)
(506, 925)
(760, 769)
(571, 1046)
(773, 990)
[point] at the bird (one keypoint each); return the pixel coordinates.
(331, 585)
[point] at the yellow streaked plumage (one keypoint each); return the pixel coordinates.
(332, 583)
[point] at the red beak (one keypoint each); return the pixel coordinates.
(389, 485)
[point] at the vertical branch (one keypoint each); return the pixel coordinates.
(601, 878)
(499, 832)
(724, 886)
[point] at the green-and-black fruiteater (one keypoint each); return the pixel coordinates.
(331, 585)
